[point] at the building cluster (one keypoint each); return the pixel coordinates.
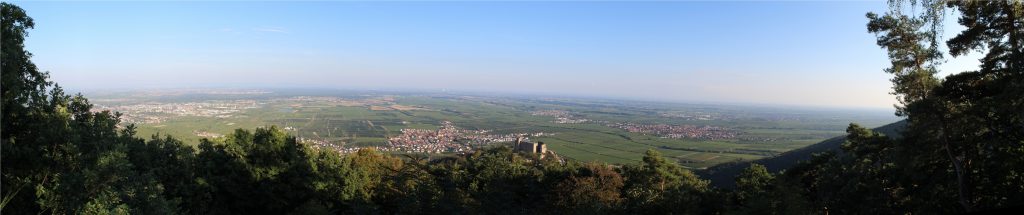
(695, 116)
(443, 139)
(300, 101)
(760, 139)
(207, 134)
(679, 131)
(561, 116)
(447, 138)
(551, 113)
(563, 120)
(322, 144)
(154, 113)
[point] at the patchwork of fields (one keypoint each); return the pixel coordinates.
(367, 120)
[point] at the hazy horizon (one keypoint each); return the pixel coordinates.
(103, 93)
(769, 53)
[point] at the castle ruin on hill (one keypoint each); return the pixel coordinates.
(531, 147)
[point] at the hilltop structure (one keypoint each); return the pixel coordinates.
(531, 147)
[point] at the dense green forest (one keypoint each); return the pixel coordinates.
(962, 150)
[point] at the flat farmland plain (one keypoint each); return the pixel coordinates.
(580, 129)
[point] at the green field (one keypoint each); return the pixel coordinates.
(361, 125)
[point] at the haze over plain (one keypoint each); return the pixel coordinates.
(807, 54)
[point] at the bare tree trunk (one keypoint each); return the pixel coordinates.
(1014, 38)
(961, 185)
(961, 188)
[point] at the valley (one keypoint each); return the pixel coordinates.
(584, 129)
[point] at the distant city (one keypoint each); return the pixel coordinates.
(447, 139)
(155, 112)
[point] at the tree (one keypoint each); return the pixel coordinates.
(972, 120)
(761, 192)
(265, 171)
(408, 187)
(500, 181)
(592, 189)
(964, 134)
(23, 89)
(58, 155)
(913, 54)
(752, 183)
(173, 164)
(657, 186)
(984, 106)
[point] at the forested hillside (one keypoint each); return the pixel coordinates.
(962, 150)
(722, 175)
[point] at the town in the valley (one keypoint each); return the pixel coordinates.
(611, 131)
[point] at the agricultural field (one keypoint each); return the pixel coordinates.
(612, 131)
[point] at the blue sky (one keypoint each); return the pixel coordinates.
(789, 53)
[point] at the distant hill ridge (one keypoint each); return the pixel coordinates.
(723, 175)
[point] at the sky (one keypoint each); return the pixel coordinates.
(778, 53)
